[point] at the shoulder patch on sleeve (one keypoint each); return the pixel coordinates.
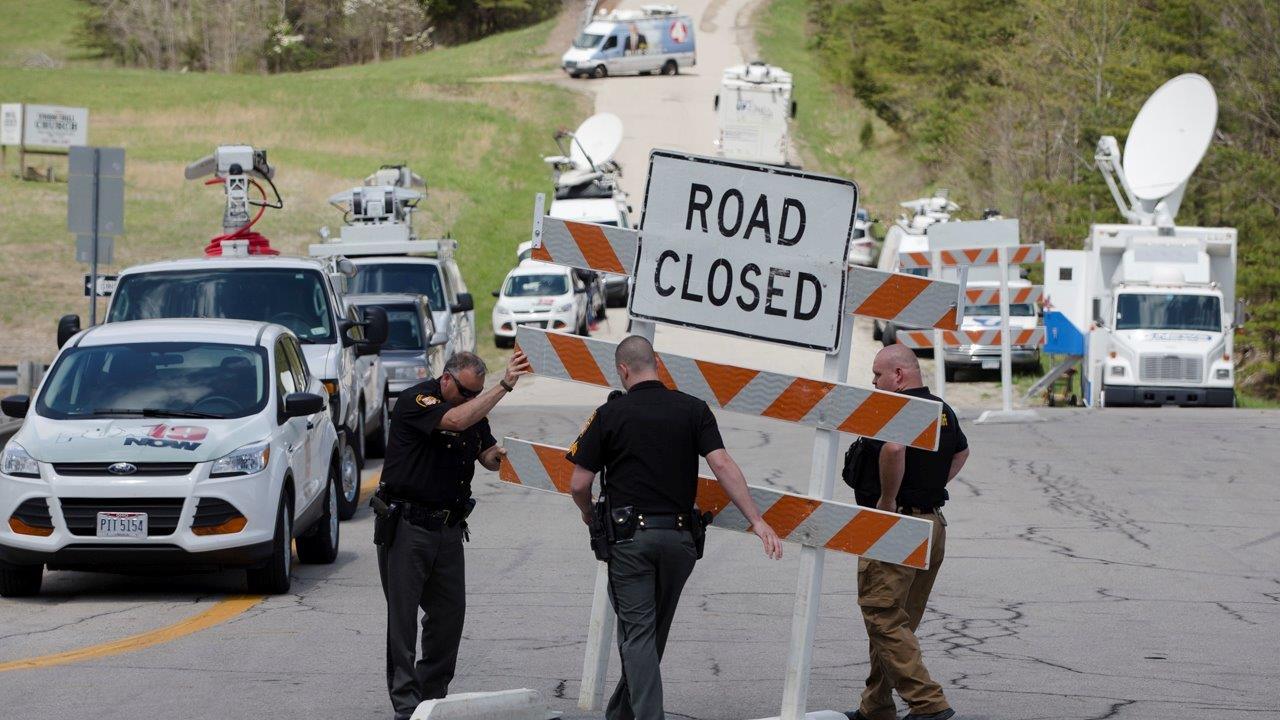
(427, 400)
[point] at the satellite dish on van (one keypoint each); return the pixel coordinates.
(1170, 136)
(596, 140)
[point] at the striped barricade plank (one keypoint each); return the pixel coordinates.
(972, 257)
(872, 413)
(589, 246)
(903, 299)
(1017, 295)
(920, 339)
(875, 534)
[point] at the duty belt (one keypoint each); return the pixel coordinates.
(675, 521)
(909, 510)
(429, 518)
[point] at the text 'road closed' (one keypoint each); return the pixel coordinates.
(744, 249)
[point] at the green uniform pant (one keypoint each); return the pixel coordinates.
(892, 598)
(646, 577)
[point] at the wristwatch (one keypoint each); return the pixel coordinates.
(506, 386)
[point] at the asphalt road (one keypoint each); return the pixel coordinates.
(1111, 564)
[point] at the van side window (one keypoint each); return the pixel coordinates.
(284, 372)
(610, 43)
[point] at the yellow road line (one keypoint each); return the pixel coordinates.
(216, 615)
(219, 613)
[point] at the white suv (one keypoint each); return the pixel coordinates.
(540, 295)
(178, 443)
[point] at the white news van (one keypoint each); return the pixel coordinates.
(656, 38)
(1154, 302)
(752, 109)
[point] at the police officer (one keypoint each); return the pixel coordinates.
(648, 442)
(909, 481)
(438, 432)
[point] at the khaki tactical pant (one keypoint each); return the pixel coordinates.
(892, 598)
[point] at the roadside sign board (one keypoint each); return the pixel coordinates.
(106, 285)
(106, 249)
(11, 124)
(53, 126)
(108, 184)
(744, 249)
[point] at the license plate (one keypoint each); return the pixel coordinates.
(991, 363)
(122, 524)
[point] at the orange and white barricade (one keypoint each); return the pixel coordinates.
(898, 539)
(923, 339)
(971, 257)
(1033, 295)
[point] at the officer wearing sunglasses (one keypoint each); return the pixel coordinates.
(438, 431)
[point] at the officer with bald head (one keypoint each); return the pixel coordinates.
(910, 481)
(649, 441)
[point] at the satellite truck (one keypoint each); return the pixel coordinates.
(908, 234)
(653, 39)
(378, 238)
(1152, 304)
(752, 109)
(242, 277)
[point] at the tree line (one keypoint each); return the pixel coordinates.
(1007, 99)
(286, 35)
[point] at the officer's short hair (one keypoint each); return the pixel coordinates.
(636, 352)
(463, 360)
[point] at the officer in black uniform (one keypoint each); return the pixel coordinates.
(438, 432)
(648, 442)
(910, 481)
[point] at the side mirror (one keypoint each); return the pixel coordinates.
(303, 403)
(1241, 316)
(375, 326)
(367, 348)
(497, 294)
(15, 406)
(68, 326)
(1097, 313)
(343, 327)
(464, 304)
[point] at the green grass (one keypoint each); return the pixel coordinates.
(829, 119)
(478, 144)
(37, 26)
(1255, 402)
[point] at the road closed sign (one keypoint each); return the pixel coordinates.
(744, 249)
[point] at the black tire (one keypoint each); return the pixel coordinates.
(275, 577)
(503, 342)
(599, 72)
(20, 580)
(376, 444)
(320, 546)
(671, 67)
(889, 335)
(349, 475)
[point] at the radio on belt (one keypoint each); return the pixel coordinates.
(751, 250)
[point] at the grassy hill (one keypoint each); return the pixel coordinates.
(478, 143)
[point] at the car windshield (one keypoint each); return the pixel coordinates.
(412, 278)
(404, 328)
(192, 379)
(1015, 310)
(587, 40)
(536, 285)
(294, 298)
(1168, 312)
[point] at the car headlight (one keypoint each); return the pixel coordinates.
(247, 460)
(1117, 371)
(408, 372)
(565, 307)
(501, 309)
(1223, 374)
(18, 463)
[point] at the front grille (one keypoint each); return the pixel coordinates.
(81, 514)
(148, 469)
(1171, 368)
(212, 512)
(35, 512)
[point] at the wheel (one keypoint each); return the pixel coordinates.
(889, 335)
(20, 580)
(503, 342)
(274, 577)
(320, 546)
(360, 436)
(377, 445)
(949, 374)
(670, 68)
(600, 71)
(349, 473)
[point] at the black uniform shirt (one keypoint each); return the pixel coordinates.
(425, 464)
(924, 478)
(648, 442)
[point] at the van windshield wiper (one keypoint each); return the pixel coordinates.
(155, 412)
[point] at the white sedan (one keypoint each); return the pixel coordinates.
(540, 295)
